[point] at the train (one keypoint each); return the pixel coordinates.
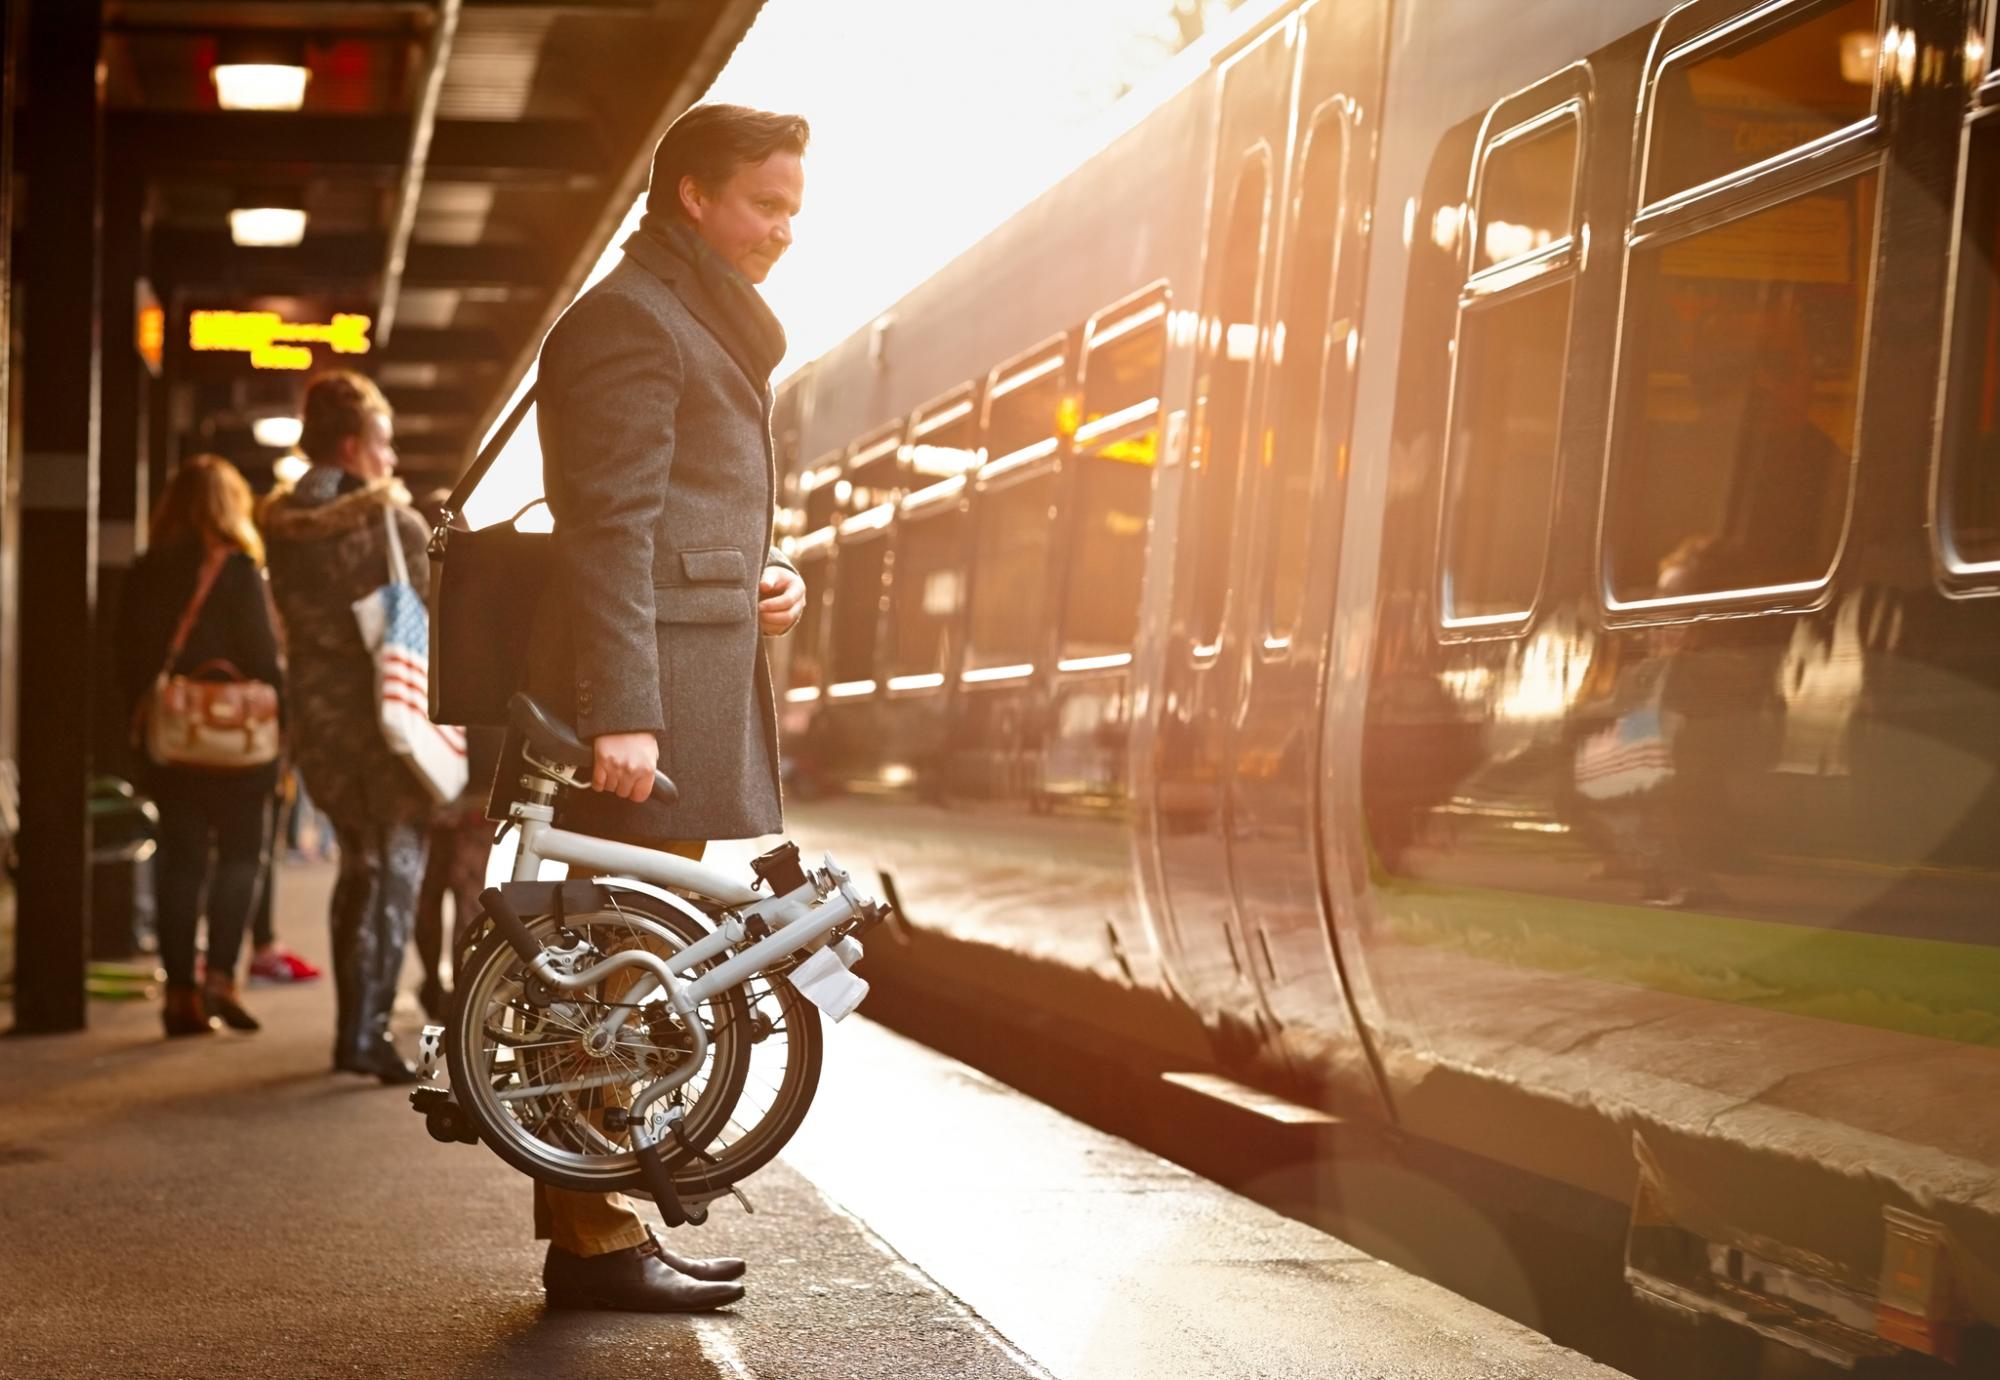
(1460, 552)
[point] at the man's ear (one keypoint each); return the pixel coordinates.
(693, 199)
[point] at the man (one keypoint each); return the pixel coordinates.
(654, 411)
(328, 538)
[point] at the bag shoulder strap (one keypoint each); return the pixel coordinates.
(483, 462)
(211, 567)
(399, 565)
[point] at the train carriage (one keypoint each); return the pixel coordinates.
(1462, 554)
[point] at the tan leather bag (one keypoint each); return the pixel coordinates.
(216, 719)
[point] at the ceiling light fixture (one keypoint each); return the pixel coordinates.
(259, 86)
(260, 71)
(267, 227)
(279, 433)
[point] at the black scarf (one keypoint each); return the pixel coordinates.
(751, 333)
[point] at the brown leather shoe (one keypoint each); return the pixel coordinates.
(185, 1014)
(634, 1279)
(717, 1268)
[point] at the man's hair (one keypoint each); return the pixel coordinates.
(337, 407)
(710, 142)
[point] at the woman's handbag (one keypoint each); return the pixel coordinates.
(216, 719)
(485, 588)
(395, 629)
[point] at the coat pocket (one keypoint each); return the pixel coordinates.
(702, 603)
(715, 565)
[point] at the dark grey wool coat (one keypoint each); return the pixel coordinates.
(658, 466)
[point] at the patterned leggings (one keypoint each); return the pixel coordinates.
(374, 905)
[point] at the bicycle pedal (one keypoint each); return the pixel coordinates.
(430, 1052)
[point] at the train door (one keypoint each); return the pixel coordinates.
(1203, 653)
(1292, 525)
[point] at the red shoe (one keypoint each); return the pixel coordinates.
(279, 964)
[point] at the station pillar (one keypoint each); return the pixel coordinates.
(61, 146)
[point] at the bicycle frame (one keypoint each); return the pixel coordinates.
(794, 922)
(752, 933)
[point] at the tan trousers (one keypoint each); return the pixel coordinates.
(597, 1223)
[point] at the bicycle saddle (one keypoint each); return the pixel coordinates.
(553, 740)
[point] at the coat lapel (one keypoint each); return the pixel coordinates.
(680, 278)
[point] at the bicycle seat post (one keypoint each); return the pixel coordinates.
(534, 809)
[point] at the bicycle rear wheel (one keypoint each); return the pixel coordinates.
(553, 1111)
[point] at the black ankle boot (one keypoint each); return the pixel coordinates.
(221, 1001)
(184, 1012)
(379, 1060)
(432, 997)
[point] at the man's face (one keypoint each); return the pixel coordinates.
(748, 220)
(372, 454)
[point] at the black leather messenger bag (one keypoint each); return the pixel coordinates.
(485, 588)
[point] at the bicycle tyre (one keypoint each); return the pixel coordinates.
(494, 962)
(696, 1178)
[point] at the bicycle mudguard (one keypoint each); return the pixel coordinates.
(555, 898)
(505, 904)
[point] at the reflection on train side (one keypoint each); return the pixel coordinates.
(1477, 618)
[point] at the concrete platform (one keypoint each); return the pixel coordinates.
(225, 1207)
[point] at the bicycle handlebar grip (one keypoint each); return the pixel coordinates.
(509, 924)
(664, 789)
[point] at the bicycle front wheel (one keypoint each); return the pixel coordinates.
(552, 1109)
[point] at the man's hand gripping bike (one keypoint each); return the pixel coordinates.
(661, 1039)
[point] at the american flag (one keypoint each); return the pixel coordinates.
(404, 662)
(1632, 755)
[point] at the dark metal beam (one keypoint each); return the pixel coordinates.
(208, 258)
(431, 443)
(363, 18)
(431, 402)
(261, 145)
(423, 125)
(449, 345)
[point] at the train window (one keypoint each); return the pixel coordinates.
(1114, 504)
(1009, 589)
(1506, 401)
(857, 607)
(1223, 435)
(1302, 370)
(876, 473)
(1117, 444)
(927, 588)
(1022, 408)
(807, 661)
(819, 493)
(1775, 86)
(1527, 193)
(1968, 493)
(1733, 467)
(945, 441)
(1121, 371)
(1502, 466)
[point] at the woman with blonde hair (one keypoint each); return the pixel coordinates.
(203, 567)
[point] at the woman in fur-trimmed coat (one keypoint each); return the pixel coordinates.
(328, 541)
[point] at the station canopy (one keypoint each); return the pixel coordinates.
(460, 164)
